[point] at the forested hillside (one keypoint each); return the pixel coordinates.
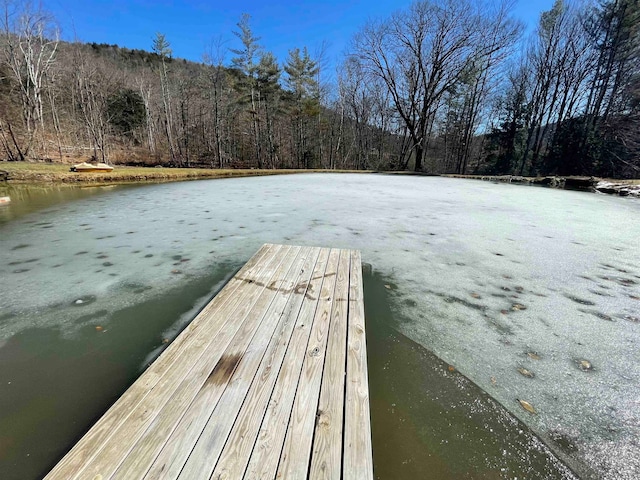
(444, 86)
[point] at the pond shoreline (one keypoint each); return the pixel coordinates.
(12, 173)
(609, 186)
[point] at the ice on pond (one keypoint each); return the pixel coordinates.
(494, 279)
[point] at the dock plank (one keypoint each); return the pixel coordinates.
(326, 460)
(266, 452)
(357, 456)
(204, 456)
(91, 443)
(200, 391)
(269, 380)
(294, 459)
(186, 366)
(235, 456)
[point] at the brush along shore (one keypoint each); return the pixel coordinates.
(603, 185)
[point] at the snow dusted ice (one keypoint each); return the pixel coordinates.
(492, 278)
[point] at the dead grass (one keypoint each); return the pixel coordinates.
(26, 172)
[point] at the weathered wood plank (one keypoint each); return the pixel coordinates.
(204, 456)
(357, 461)
(125, 437)
(296, 452)
(264, 459)
(270, 379)
(189, 407)
(240, 442)
(101, 432)
(326, 457)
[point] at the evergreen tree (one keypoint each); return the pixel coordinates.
(301, 79)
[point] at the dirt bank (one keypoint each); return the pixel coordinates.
(25, 172)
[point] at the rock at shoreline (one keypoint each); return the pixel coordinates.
(622, 189)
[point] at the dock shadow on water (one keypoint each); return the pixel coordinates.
(430, 421)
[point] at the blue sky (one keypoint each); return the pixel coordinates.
(190, 25)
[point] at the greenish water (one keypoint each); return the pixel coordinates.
(54, 386)
(431, 422)
(26, 199)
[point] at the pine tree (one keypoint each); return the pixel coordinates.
(301, 72)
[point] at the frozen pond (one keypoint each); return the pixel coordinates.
(531, 293)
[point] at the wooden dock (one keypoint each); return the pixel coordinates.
(268, 381)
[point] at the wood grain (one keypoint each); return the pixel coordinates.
(269, 380)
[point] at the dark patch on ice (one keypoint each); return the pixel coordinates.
(107, 264)
(563, 441)
(21, 270)
(458, 300)
(176, 257)
(409, 302)
(500, 327)
(148, 255)
(83, 252)
(103, 256)
(600, 315)
(21, 246)
(581, 301)
(6, 316)
(601, 294)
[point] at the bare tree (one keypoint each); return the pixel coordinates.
(421, 54)
(161, 47)
(92, 86)
(214, 58)
(30, 41)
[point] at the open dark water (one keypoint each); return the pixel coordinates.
(481, 295)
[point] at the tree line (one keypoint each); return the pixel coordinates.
(443, 86)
